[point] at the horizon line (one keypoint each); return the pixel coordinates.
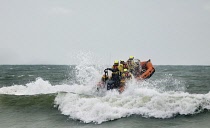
(106, 64)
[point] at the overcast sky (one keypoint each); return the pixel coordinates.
(169, 32)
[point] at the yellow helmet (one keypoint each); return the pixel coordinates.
(131, 57)
(125, 70)
(116, 62)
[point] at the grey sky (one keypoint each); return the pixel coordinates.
(53, 31)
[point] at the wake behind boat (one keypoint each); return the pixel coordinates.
(124, 71)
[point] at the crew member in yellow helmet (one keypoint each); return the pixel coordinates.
(120, 67)
(115, 65)
(131, 64)
(102, 83)
(115, 73)
(125, 76)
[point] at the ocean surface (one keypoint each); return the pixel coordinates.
(62, 96)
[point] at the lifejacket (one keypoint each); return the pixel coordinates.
(128, 75)
(115, 67)
(120, 68)
(125, 76)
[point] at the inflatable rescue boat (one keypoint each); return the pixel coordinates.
(142, 70)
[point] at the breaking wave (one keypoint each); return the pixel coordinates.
(136, 100)
(82, 102)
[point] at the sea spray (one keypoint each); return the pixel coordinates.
(89, 70)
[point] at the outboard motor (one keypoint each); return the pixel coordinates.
(110, 84)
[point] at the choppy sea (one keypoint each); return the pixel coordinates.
(63, 96)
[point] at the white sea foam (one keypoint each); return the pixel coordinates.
(41, 87)
(141, 101)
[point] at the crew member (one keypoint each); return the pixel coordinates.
(120, 67)
(124, 64)
(137, 68)
(131, 64)
(125, 76)
(115, 73)
(102, 83)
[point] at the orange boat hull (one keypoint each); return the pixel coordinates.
(149, 70)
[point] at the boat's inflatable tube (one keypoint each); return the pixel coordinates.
(147, 70)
